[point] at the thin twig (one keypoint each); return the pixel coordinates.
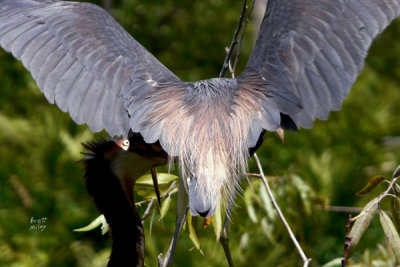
(181, 212)
(339, 209)
(234, 40)
(306, 261)
(167, 261)
(381, 196)
(346, 209)
(147, 211)
(224, 237)
(392, 184)
(254, 175)
(241, 39)
(21, 191)
(347, 243)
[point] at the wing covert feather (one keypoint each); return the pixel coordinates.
(82, 60)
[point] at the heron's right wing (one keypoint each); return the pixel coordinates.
(86, 63)
(308, 55)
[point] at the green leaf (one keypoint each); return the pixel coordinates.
(362, 223)
(391, 234)
(148, 192)
(372, 183)
(244, 241)
(217, 221)
(248, 200)
(163, 178)
(101, 220)
(305, 191)
(166, 204)
(192, 225)
(395, 205)
(334, 263)
(268, 229)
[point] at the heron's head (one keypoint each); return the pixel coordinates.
(105, 150)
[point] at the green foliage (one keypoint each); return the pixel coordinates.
(314, 170)
(367, 214)
(362, 223)
(391, 234)
(372, 183)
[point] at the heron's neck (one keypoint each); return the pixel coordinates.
(127, 235)
(115, 200)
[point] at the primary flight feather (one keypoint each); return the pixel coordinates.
(307, 56)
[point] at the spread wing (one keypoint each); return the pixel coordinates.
(310, 52)
(84, 61)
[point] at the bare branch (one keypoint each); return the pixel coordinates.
(254, 175)
(224, 237)
(347, 243)
(181, 212)
(21, 191)
(306, 261)
(147, 211)
(339, 209)
(234, 40)
(381, 196)
(241, 39)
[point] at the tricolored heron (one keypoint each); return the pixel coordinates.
(110, 180)
(307, 56)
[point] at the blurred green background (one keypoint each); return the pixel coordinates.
(314, 170)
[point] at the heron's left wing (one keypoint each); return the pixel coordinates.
(308, 55)
(86, 63)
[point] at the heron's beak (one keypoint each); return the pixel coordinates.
(201, 203)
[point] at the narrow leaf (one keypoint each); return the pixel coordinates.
(217, 221)
(163, 178)
(362, 223)
(248, 200)
(334, 263)
(391, 234)
(372, 183)
(101, 220)
(395, 204)
(166, 204)
(192, 223)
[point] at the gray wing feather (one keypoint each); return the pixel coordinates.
(83, 61)
(315, 49)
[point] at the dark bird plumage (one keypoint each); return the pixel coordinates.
(307, 56)
(110, 179)
(113, 197)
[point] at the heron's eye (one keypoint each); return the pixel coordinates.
(123, 143)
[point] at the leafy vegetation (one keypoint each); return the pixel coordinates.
(313, 172)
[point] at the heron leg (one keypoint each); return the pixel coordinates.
(155, 183)
(181, 214)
